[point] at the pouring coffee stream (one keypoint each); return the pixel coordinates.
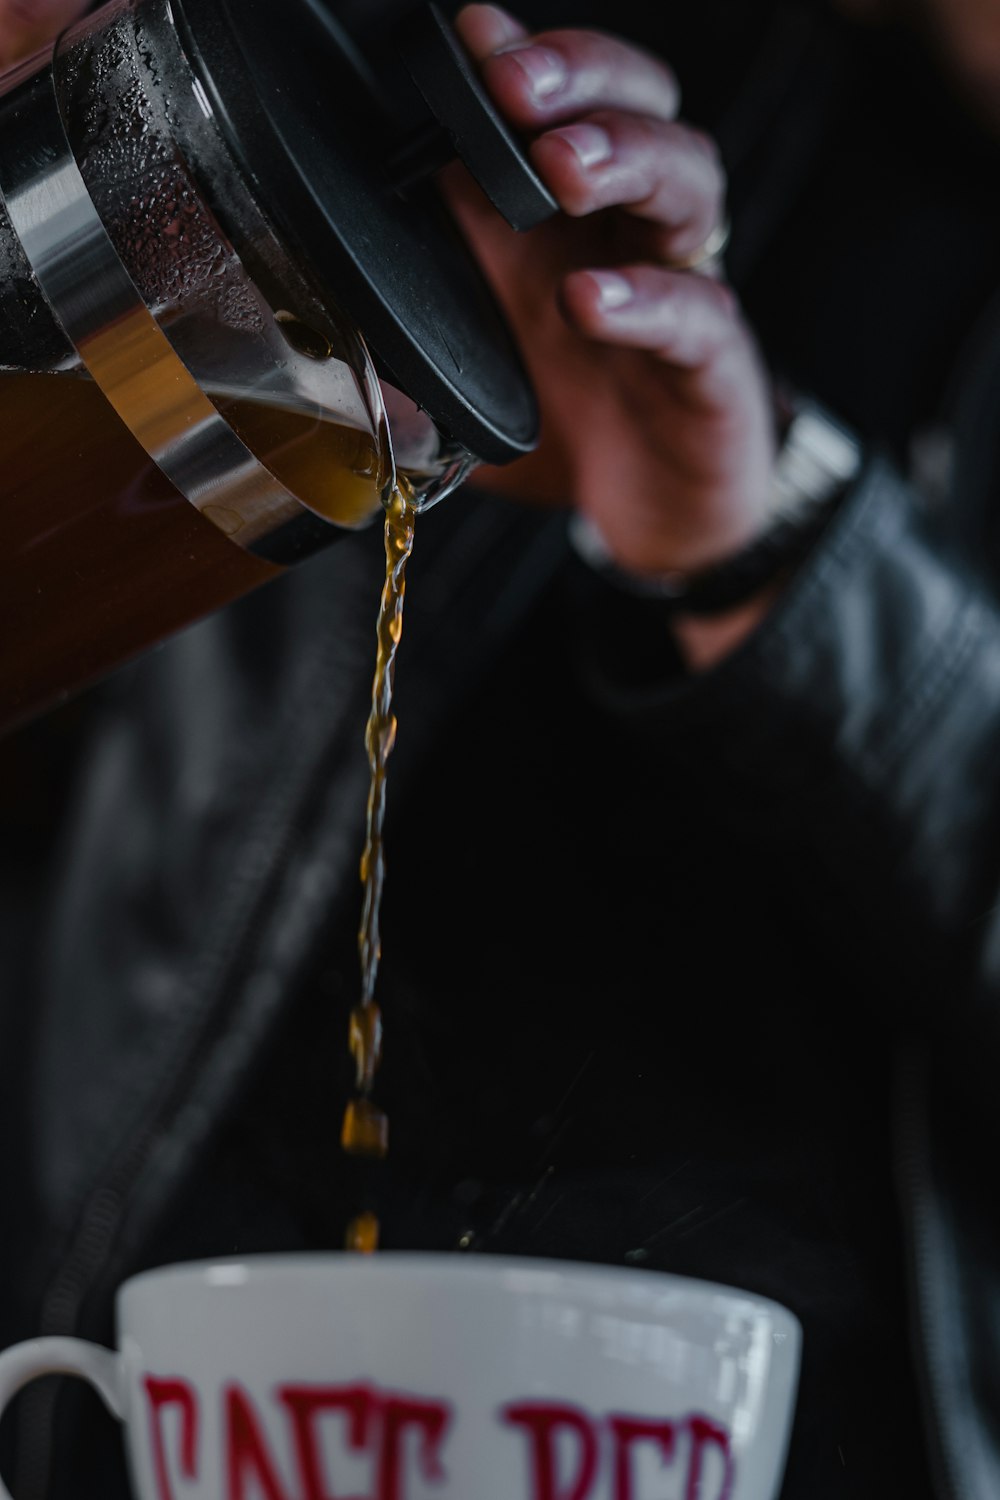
(365, 1130)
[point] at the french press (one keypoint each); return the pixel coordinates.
(233, 312)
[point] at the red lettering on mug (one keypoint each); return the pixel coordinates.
(246, 1451)
(305, 1403)
(160, 1394)
(625, 1433)
(704, 1434)
(542, 1423)
(431, 1419)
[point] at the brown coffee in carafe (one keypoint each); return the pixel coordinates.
(102, 557)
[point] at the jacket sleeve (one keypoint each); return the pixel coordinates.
(864, 714)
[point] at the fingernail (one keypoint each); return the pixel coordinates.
(591, 144)
(544, 69)
(613, 290)
(513, 29)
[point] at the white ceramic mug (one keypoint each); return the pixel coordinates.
(438, 1377)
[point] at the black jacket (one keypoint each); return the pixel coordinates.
(686, 973)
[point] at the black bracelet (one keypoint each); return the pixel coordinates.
(817, 463)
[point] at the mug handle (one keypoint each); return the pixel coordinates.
(25, 1362)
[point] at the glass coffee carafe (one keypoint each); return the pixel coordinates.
(233, 313)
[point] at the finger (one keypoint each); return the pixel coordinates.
(664, 172)
(689, 322)
(486, 28)
(555, 75)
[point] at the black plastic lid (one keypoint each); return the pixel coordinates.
(338, 156)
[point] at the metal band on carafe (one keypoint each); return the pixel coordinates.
(129, 357)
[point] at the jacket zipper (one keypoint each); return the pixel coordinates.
(929, 1310)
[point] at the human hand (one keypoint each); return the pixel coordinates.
(26, 25)
(657, 417)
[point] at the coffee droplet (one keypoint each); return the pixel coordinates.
(366, 1043)
(362, 1234)
(365, 1130)
(302, 338)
